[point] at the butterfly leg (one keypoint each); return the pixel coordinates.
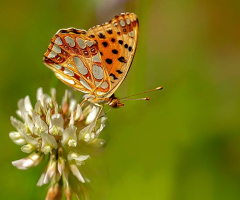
(83, 102)
(98, 115)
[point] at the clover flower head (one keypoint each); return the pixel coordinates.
(62, 134)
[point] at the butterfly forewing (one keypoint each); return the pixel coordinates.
(76, 60)
(117, 41)
(94, 61)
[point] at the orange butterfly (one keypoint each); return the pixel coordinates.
(95, 61)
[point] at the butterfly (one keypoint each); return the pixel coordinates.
(96, 61)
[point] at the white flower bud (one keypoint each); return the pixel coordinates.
(30, 161)
(69, 136)
(48, 142)
(53, 94)
(93, 114)
(28, 105)
(87, 130)
(28, 148)
(77, 173)
(72, 106)
(78, 112)
(17, 138)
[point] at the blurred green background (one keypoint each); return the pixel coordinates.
(184, 143)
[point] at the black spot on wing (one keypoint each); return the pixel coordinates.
(63, 31)
(122, 59)
(115, 51)
(105, 44)
(109, 61)
(72, 30)
(119, 71)
(101, 35)
(109, 31)
(113, 75)
(120, 42)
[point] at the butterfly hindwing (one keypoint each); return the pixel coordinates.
(117, 42)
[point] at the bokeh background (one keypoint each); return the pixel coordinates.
(184, 143)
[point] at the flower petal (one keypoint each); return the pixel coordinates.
(61, 165)
(97, 143)
(28, 105)
(75, 156)
(92, 115)
(77, 173)
(48, 116)
(39, 93)
(37, 108)
(30, 161)
(28, 148)
(31, 140)
(28, 122)
(56, 124)
(48, 142)
(49, 172)
(39, 123)
(17, 138)
(57, 120)
(71, 119)
(53, 94)
(72, 105)
(70, 136)
(85, 131)
(78, 112)
(17, 124)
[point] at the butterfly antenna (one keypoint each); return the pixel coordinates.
(146, 98)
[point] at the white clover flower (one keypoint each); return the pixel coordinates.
(57, 132)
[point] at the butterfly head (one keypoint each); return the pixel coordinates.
(115, 102)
